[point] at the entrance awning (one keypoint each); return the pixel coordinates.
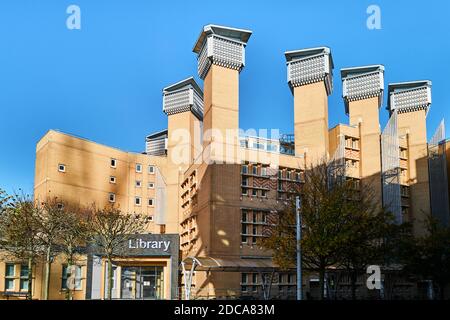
(230, 264)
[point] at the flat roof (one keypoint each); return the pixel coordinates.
(157, 134)
(305, 53)
(240, 35)
(405, 86)
(345, 72)
(183, 83)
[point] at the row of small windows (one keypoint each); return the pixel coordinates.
(138, 183)
(151, 169)
(137, 200)
(10, 277)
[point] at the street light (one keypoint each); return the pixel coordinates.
(298, 219)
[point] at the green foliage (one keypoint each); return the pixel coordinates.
(428, 257)
(342, 227)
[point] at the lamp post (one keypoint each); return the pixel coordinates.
(298, 219)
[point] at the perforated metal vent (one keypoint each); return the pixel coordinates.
(220, 51)
(411, 100)
(310, 66)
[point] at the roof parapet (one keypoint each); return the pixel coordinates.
(409, 96)
(183, 96)
(359, 83)
(220, 45)
(309, 66)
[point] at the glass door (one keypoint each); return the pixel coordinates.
(142, 283)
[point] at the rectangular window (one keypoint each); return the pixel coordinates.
(24, 277)
(138, 168)
(244, 277)
(245, 169)
(113, 163)
(245, 181)
(151, 202)
(263, 193)
(112, 197)
(137, 201)
(112, 179)
(288, 174)
(263, 171)
(10, 272)
(66, 275)
(254, 192)
(138, 183)
(244, 191)
(244, 216)
(151, 169)
(280, 174)
(61, 167)
(254, 170)
(151, 185)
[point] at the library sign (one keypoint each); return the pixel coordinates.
(151, 245)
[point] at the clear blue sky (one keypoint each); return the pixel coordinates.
(104, 82)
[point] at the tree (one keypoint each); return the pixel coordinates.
(428, 257)
(366, 239)
(50, 220)
(110, 230)
(20, 233)
(342, 227)
(74, 236)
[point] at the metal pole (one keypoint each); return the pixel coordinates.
(298, 219)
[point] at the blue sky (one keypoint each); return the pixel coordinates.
(104, 82)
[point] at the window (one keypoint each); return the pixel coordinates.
(112, 179)
(61, 167)
(245, 169)
(138, 168)
(66, 275)
(138, 183)
(263, 193)
(403, 153)
(355, 144)
(264, 217)
(60, 206)
(151, 185)
(151, 169)
(254, 192)
(24, 277)
(244, 281)
(244, 191)
(10, 272)
(112, 197)
(348, 142)
(254, 170)
(288, 175)
(151, 202)
(244, 230)
(113, 163)
(137, 201)
(245, 181)
(263, 171)
(280, 174)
